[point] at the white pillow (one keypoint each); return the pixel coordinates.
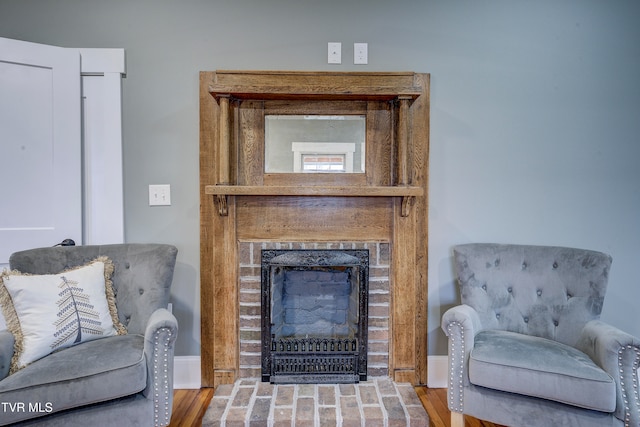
(49, 312)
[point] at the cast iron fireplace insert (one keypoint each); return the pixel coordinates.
(314, 315)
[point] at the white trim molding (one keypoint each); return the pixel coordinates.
(437, 371)
(103, 199)
(101, 61)
(187, 373)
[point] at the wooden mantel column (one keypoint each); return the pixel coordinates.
(224, 160)
(403, 140)
(404, 159)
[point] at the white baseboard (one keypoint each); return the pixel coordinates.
(187, 374)
(437, 367)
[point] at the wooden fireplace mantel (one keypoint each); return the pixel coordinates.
(300, 85)
(407, 193)
(241, 202)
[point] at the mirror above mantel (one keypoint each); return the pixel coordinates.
(330, 131)
(313, 143)
(378, 191)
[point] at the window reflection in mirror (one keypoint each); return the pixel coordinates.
(314, 144)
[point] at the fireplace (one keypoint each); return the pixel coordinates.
(314, 315)
(244, 208)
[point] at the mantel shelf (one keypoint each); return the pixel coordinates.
(288, 93)
(313, 190)
(300, 85)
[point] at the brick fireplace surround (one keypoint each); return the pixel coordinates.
(379, 300)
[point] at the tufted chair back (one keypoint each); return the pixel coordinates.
(549, 292)
(136, 299)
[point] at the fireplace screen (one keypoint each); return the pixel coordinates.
(314, 315)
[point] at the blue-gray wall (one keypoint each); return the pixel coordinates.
(535, 114)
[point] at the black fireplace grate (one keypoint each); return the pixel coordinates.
(305, 345)
(314, 368)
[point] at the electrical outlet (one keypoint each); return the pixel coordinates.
(160, 195)
(360, 54)
(334, 53)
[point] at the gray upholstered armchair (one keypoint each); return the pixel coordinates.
(526, 347)
(118, 380)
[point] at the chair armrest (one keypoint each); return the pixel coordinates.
(460, 324)
(159, 339)
(6, 352)
(618, 353)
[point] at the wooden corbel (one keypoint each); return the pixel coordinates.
(221, 201)
(407, 202)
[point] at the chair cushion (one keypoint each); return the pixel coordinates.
(539, 367)
(87, 373)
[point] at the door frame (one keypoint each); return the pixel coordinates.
(102, 71)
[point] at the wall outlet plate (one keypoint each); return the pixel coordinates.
(360, 53)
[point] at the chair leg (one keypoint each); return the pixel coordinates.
(457, 419)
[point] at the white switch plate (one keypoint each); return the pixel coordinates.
(360, 53)
(334, 53)
(159, 195)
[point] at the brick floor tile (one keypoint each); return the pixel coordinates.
(408, 394)
(218, 405)
(349, 411)
(306, 389)
(236, 417)
(385, 385)
(347, 390)
(285, 395)
(328, 416)
(368, 394)
(213, 416)
(305, 411)
(327, 395)
(265, 389)
(282, 417)
(224, 390)
(242, 397)
(395, 412)
(373, 416)
(418, 416)
(260, 412)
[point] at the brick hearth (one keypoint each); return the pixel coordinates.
(376, 402)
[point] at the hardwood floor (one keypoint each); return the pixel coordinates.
(189, 407)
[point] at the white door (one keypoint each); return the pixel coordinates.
(40, 146)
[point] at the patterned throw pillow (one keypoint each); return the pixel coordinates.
(49, 312)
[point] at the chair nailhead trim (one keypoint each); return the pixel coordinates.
(453, 363)
(625, 398)
(161, 366)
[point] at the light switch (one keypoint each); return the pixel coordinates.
(334, 53)
(160, 195)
